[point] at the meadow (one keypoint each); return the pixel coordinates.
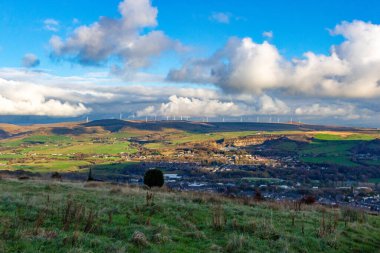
(41, 216)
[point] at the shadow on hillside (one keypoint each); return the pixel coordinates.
(114, 125)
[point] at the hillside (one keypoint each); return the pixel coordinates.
(114, 125)
(39, 216)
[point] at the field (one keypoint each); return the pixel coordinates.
(332, 148)
(73, 146)
(37, 216)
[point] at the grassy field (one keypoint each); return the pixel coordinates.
(327, 148)
(47, 153)
(63, 217)
(34, 151)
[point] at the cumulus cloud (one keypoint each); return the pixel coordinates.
(242, 65)
(350, 70)
(34, 100)
(269, 105)
(51, 25)
(194, 107)
(220, 17)
(203, 107)
(98, 93)
(30, 61)
(345, 111)
(132, 38)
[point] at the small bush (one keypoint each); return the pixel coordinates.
(139, 239)
(308, 200)
(154, 178)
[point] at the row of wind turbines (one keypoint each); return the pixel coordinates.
(259, 119)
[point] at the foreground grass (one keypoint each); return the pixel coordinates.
(64, 217)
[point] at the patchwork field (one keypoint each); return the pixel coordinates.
(67, 148)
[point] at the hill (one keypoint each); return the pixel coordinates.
(38, 216)
(114, 125)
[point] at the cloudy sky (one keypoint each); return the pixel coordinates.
(312, 61)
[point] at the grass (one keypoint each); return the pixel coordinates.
(89, 148)
(50, 166)
(347, 137)
(65, 217)
(176, 138)
(333, 148)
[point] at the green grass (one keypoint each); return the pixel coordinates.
(351, 137)
(36, 139)
(87, 148)
(332, 149)
(32, 219)
(186, 137)
(50, 166)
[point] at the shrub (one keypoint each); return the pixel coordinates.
(308, 200)
(154, 178)
(139, 239)
(56, 175)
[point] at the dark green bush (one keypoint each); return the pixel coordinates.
(154, 178)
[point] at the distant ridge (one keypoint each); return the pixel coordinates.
(115, 125)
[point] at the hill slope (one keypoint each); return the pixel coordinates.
(64, 217)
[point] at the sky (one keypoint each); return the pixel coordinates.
(309, 61)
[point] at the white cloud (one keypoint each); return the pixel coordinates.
(203, 107)
(34, 100)
(30, 61)
(351, 69)
(269, 105)
(241, 66)
(41, 93)
(221, 17)
(51, 25)
(126, 38)
(194, 107)
(344, 111)
(268, 34)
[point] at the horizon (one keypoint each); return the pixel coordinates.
(196, 120)
(219, 60)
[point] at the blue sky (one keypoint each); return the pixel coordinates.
(193, 30)
(298, 25)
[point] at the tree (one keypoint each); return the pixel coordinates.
(154, 178)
